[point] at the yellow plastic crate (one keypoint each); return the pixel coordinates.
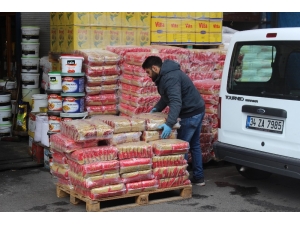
(188, 25)
(98, 37)
(78, 18)
(77, 37)
(158, 24)
(202, 38)
(158, 36)
(114, 19)
(202, 26)
(188, 38)
(174, 37)
(174, 25)
(174, 14)
(143, 19)
(215, 37)
(215, 26)
(158, 14)
(129, 19)
(128, 36)
(143, 36)
(114, 35)
(216, 15)
(98, 18)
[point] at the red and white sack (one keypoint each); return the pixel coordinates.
(122, 138)
(137, 104)
(206, 137)
(102, 109)
(97, 71)
(206, 128)
(59, 171)
(209, 87)
(103, 89)
(136, 80)
(98, 57)
(211, 119)
(170, 146)
(207, 156)
(138, 58)
(202, 67)
(137, 176)
(82, 130)
(210, 99)
(133, 110)
(59, 158)
(138, 91)
(182, 53)
(212, 109)
(133, 69)
(201, 75)
(135, 150)
(94, 154)
(135, 164)
(174, 182)
(94, 181)
(206, 147)
(93, 81)
(168, 160)
(101, 192)
(170, 171)
(141, 186)
(156, 135)
(99, 100)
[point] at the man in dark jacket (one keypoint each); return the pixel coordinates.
(185, 102)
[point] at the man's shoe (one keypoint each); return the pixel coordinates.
(199, 182)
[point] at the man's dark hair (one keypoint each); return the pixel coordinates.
(152, 61)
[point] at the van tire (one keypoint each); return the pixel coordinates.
(253, 174)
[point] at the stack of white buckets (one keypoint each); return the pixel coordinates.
(30, 69)
(5, 113)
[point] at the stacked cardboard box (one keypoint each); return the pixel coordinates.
(71, 31)
(186, 27)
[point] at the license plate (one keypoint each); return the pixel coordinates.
(265, 124)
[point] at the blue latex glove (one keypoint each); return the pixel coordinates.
(153, 110)
(166, 130)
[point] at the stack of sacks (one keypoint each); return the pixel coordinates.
(102, 75)
(135, 156)
(169, 165)
(94, 170)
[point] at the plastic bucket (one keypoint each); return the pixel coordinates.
(5, 97)
(30, 65)
(39, 100)
(7, 85)
(5, 129)
(71, 64)
(72, 116)
(27, 94)
(30, 80)
(5, 117)
(55, 81)
(30, 33)
(73, 83)
(30, 49)
(73, 102)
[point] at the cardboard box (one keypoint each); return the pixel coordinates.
(77, 37)
(98, 37)
(143, 19)
(188, 26)
(158, 14)
(129, 19)
(215, 38)
(53, 38)
(47, 158)
(114, 19)
(98, 18)
(215, 26)
(114, 35)
(61, 44)
(174, 37)
(53, 18)
(202, 37)
(216, 15)
(173, 14)
(158, 24)
(201, 15)
(174, 25)
(202, 26)
(61, 18)
(77, 18)
(188, 15)
(188, 38)
(143, 36)
(158, 37)
(128, 36)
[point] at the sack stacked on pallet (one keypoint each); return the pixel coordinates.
(135, 156)
(205, 71)
(93, 170)
(102, 75)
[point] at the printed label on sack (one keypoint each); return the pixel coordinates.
(54, 124)
(73, 105)
(72, 85)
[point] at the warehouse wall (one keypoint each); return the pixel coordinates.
(41, 19)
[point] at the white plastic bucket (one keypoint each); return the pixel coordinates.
(30, 49)
(30, 65)
(5, 97)
(55, 81)
(27, 94)
(71, 64)
(30, 33)
(14, 106)
(5, 116)
(39, 100)
(30, 80)
(8, 84)
(5, 129)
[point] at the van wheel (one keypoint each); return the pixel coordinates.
(252, 174)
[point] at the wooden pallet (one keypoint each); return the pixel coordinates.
(142, 198)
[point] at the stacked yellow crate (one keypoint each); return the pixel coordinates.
(83, 30)
(186, 27)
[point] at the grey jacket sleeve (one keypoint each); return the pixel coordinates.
(160, 105)
(173, 91)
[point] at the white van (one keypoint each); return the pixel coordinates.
(259, 104)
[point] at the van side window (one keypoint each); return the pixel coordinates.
(292, 73)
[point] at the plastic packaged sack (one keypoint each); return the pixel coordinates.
(139, 101)
(170, 171)
(59, 157)
(100, 100)
(170, 146)
(210, 99)
(104, 80)
(39, 126)
(62, 182)
(138, 58)
(206, 137)
(97, 71)
(133, 70)
(207, 157)
(212, 109)
(168, 160)
(94, 181)
(174, 182)
(211, 119)
(133, 110)
(137, 176)
(121, 50)
(206, 128)
(83, 130)
(201, 75)
(141, 186)
(94, 154)
(95, 168)
(103, 89)
(136, 80)
(146, 104)
(101, 192)
(122, 138)
(156, 135)
(208, 86)
(98, 57)
(135, 164)
(102, 109)
(206, 147)
(139, 149)
(136, 91)
(60, 171)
